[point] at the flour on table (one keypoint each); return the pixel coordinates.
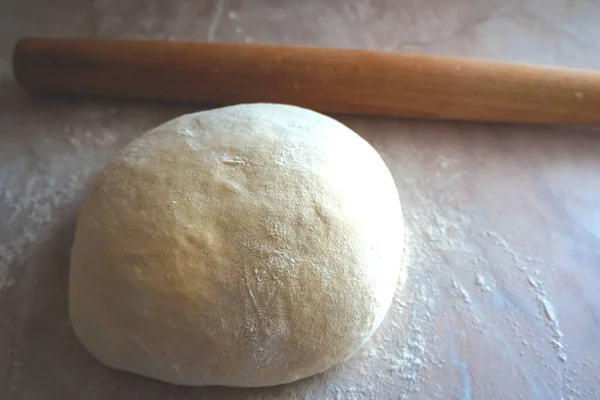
(31, 208)
(481, 282)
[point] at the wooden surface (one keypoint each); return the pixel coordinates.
(324, 79)
(503, 246)
(327, 80)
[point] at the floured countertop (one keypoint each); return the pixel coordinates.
(503, 246)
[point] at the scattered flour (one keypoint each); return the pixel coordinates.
(460, 291)
(407, 360)
(32, 207)
(524, 264)
(187, 132)
(480, 281)
(548, 313)
(227, 158)
(556, 341)
(505, 246)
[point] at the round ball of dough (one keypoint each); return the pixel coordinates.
(251, 245)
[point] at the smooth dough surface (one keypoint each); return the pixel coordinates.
(250, 245)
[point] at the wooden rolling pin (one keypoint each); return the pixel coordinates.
(327, 80)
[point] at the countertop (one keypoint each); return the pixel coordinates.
(503, 221)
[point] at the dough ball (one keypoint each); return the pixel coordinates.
(251, 245)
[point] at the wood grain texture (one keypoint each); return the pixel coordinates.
(327, 80)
